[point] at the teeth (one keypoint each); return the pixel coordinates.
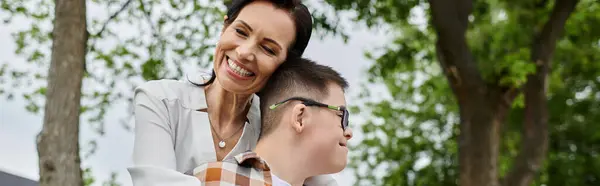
(237, 69)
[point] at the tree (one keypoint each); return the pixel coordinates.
(129, 42)
(58, 142)
(495, 58)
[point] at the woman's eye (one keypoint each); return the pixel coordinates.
(241, 32)
(270, 51)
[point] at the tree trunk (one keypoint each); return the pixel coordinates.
(480, 115)
(479, 139)
(58, 142)
(534, 134)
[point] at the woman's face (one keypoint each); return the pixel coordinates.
(252, 47)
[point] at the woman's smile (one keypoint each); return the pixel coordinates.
(237, 70)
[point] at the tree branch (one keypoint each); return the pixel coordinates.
(99, 34)
(450, 19)
(113, 16)
(535, 127)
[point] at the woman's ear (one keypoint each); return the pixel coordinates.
(298, 118)
(225, 24)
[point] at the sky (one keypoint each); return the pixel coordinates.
(18, 127)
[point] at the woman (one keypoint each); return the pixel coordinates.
(182, 124)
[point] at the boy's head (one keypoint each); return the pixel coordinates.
(304, 102)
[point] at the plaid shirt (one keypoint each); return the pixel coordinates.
(246, 169)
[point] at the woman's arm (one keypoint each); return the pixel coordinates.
(153, 152)
(153, 143)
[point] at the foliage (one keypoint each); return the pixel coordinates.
(410, 139)
(88, 178)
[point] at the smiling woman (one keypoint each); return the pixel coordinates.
(180, 125)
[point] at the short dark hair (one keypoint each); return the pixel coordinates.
(299, 13)
(295, 77)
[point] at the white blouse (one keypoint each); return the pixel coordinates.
(172, 137)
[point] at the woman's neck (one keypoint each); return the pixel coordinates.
(226, 108)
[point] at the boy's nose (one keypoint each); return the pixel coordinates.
(348, 133)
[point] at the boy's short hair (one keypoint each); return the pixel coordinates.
(295, 77)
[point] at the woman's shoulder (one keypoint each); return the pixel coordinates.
(182, 90)
(165, 88)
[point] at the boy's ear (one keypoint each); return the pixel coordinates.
(298, 117)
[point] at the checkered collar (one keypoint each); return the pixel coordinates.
(251, 159)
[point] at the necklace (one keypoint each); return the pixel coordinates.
(222, 143)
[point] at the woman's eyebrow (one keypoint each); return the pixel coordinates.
(246, 25)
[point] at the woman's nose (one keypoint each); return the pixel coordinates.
(245, 51)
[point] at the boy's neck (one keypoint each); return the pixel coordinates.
(289, 164)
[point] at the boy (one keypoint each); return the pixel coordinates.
(304, 131)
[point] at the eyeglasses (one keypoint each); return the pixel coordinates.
(310, 102)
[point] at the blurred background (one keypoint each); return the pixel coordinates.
(442, 92)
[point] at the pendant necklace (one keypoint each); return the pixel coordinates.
(222, 143)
